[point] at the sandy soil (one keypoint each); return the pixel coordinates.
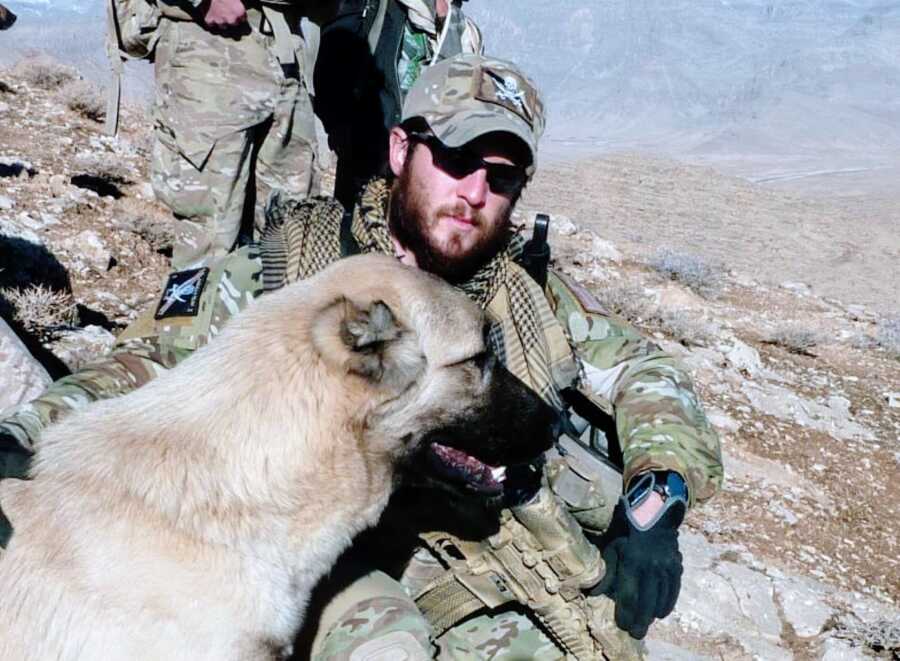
(845, 246)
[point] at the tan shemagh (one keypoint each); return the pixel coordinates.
(302, 237)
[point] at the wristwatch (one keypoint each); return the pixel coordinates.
(668, 484)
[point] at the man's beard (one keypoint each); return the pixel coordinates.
(409, 225)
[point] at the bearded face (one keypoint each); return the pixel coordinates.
(452, 226)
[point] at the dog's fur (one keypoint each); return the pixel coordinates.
(191, 518)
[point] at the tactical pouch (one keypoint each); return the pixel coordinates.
(134, 26)
(586, 481)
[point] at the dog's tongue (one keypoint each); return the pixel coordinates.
(456, 464)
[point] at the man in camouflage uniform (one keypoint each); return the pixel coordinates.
(232, 119)
(460, 158)
(369, 56)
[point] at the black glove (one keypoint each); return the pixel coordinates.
(643, 566)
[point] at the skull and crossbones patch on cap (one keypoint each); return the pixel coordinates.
(507, 90)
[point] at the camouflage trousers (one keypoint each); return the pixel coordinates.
(360, 614)
(229, 126)
(374, 619)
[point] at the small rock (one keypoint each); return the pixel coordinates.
(892, 399)
(720, 420)
(563, 225)
(88, 246)
(662, 651)
(6, 203)
(800, 288)
(58, 185)
(145, 191)
(743, 357)
(840, 405)
(26, 220)
(604, 250)
(784, 513)
(4, 107)
(859, 313)
(22, 378)
(12, 229)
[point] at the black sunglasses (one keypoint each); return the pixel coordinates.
(459, 162)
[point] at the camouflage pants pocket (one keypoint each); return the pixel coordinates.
(206, 193)
(372, 620)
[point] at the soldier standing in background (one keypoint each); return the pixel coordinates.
(233, 119)
(370, 54)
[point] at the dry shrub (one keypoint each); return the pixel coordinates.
(84, 98)
(700, 276)
(44, 72)
(42, 311)
(684, 327)
(158, 232)
(626, 300)
(795, 339)
(887, 335)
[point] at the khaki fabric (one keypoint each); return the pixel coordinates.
(229, 128)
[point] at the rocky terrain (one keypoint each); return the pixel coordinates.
(796, 558)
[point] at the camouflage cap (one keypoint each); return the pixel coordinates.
(464, 97)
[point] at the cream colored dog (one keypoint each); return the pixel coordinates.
(191, 518)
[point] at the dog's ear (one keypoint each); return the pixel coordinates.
(356, 337)
(366, 333)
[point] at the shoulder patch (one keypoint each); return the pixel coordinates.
(181, 295)
(584, 297)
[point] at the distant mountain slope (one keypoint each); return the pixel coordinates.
(813, 79)
(752, 74)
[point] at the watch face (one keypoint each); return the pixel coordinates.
(667, 484)
(641, 489)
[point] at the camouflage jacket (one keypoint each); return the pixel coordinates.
(659, 421)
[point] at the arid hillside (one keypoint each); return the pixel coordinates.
(844, 247)
(788, 321)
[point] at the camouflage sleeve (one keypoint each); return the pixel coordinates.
(148, 346)
(659, 421)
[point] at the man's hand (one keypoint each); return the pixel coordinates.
(224, 14)
(643, 563)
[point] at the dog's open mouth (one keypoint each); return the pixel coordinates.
(456, 466)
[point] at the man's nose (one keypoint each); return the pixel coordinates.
(473, 188)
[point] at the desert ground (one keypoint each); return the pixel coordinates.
(779, 292)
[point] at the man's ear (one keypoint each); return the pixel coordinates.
(398, 148)
(355, 337)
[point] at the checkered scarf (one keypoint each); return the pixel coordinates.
(302, 237)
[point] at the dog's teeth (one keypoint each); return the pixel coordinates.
(499, 474)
